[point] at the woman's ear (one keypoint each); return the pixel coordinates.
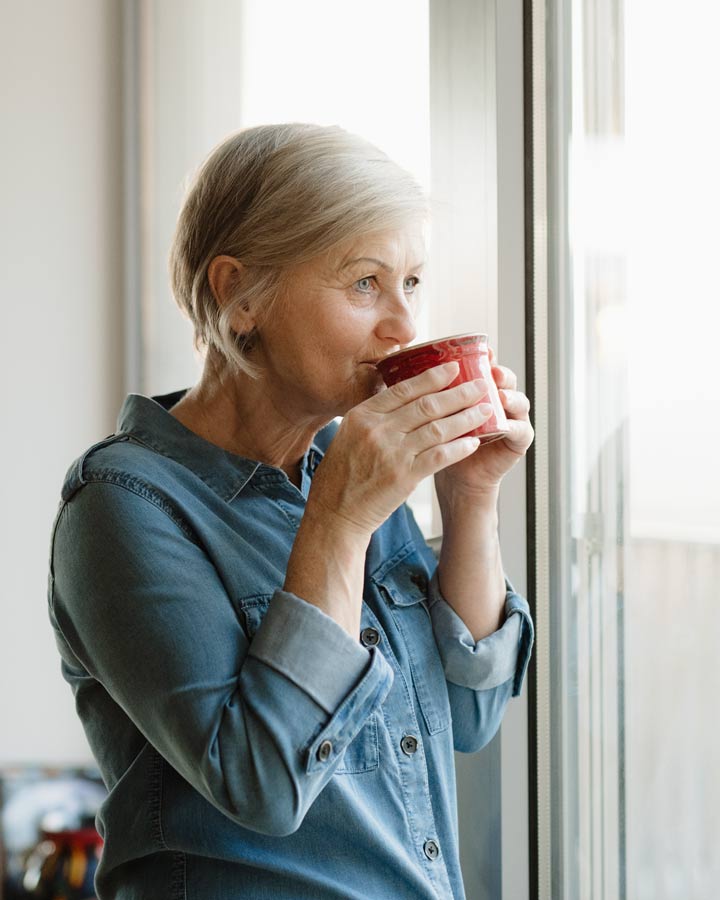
(224, 275)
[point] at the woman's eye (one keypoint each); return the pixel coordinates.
(411, 283)
(365, 285)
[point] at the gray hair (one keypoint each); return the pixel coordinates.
(273, 197)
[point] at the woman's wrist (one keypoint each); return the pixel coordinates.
(329, 522)
(458, 503)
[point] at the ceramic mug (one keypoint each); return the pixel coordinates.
(470, 351)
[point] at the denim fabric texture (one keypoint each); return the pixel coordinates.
(251, 748)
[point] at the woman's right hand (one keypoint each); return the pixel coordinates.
(386, 445)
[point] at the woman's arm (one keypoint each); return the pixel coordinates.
(137, 604)
(481, 675)
(384, 447)
(470, 569)
(470, 572)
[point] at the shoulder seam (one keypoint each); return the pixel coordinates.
(140, 488)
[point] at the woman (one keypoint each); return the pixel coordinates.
(271, 669)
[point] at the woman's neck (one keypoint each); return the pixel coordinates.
(240, 415)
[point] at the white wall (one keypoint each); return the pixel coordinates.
(60, 284)
(190, 76)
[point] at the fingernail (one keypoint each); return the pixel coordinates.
(486, 409)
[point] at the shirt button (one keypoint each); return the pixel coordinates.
(431, 849)
(324, 751)
(409, 744)
(370, 637)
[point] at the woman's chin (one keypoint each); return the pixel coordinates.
(362, 389)
(372, 384)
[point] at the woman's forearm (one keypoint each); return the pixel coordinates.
(327, 567)
(470, 570)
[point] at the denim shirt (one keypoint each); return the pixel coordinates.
(250, 746)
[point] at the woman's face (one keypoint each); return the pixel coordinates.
(355, 304)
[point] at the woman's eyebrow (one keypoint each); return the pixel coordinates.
(377, 262)
(370, 259)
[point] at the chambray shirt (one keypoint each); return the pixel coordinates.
(250, 746)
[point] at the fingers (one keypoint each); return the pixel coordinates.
(515, 404)
(443, 455)
(504, 377)
(519, 437)
(438, 405)
(404, 392)
(441, 431)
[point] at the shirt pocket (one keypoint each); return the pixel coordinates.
(363, 753)
(403, 584)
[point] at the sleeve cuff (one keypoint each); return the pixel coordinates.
(487, 663)
(309, 647)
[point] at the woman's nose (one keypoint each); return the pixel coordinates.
(397, 325)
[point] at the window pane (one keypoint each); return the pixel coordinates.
(673, 614)
(634, 188)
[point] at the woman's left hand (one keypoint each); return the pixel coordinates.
(481, 473)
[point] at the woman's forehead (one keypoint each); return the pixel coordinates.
(391, 249)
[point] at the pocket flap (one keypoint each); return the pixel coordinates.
(404, 577)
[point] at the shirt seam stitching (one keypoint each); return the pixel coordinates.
(140, 488)
(156, 799)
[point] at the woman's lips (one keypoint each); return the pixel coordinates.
(373, 362)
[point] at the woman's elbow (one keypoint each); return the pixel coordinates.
(477, 718)
(276, 808)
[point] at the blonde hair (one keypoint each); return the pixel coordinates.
(273, 197)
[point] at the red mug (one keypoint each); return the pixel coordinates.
(470, 351)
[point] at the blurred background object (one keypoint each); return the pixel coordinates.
(49, 847)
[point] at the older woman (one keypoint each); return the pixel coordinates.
(271, 669)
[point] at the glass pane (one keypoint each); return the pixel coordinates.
(673, 614)
(634, 186)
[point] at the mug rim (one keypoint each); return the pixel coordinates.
(452, 337)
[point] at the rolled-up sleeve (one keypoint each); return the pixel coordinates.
(481, 675)
(491, 661)
(304, 645)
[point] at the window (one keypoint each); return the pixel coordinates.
(626, 520)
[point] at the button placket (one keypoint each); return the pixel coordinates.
(412, 769)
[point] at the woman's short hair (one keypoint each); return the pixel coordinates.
(273, 197)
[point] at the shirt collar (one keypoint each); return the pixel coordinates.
(147, 419)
